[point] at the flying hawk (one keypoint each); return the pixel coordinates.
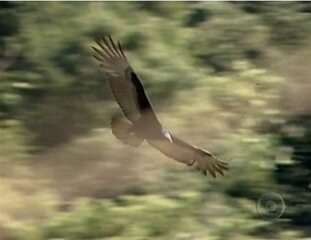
(143, 124)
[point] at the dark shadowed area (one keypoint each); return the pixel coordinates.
(232, 77)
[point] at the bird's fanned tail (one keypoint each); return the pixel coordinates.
(122, 131)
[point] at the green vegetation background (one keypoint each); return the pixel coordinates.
(231, 77)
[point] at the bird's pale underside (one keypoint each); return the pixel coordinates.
(142, 123)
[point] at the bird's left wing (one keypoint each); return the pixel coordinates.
(124, 83)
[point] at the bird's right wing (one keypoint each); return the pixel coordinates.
(124, 83)
(190, 155)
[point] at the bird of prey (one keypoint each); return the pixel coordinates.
(143, 124)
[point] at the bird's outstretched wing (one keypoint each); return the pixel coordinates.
(124, 82)
(190, 155)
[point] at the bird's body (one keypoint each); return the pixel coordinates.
(143, 123)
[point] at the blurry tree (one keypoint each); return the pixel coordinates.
(198, 14)
(224, 38)
(295, 173)
(9, 27)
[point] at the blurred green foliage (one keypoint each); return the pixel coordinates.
(231, 76)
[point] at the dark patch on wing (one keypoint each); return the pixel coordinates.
(142, 99)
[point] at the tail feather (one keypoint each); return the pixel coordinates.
(122, 131)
